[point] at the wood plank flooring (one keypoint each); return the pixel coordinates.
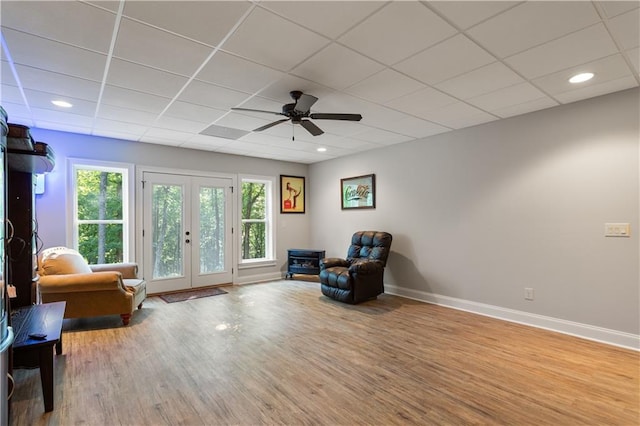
(281, 353)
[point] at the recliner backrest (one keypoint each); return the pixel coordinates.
(370, 245)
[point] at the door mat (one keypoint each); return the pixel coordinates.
(192, 294)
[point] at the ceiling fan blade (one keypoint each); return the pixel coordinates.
(256, 110)
(348, 117)
(303, 104)
(267, 126)
(311, 128)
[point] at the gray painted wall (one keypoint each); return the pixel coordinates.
(481, 213)
(51, 207)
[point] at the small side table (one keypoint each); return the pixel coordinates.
(28, 352)
(303, 261)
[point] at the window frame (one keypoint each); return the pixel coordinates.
(270, 243)
(128, 197)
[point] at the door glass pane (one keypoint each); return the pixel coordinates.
(211, 229)
(166, 221)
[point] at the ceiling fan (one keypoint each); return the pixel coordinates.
(299, 110)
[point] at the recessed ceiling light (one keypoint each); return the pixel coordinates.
(581, 78)
(63, 104)
(321, 149)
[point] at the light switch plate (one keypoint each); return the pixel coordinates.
(617, 230)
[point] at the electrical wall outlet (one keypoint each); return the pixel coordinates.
(617, 230)
(528, 293)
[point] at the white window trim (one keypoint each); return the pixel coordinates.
(270, 260)
(128, 186)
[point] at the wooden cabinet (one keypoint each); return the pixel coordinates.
(22, 248)
(303, 261)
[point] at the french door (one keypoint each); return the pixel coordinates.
(187, 238)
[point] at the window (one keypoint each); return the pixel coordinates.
(101, 218)
(257, 220)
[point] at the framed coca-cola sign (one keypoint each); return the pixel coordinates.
(358, 192)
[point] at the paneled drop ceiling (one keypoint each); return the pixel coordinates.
(162, 72)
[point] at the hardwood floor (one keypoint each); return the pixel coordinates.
(281, 353)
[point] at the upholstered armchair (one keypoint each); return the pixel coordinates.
(359, 277)
(89, 290)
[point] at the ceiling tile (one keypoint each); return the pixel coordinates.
(119, 126)
(634, 57)
(61, 125)
(580, 47)
(236, 73)
(445, 60)
(17, 112)
(523, 108)
(37, 99)
(206, 142)
(58, 21)
(322, 67)
(110, 133)
(384, 86)
(205, 21)
(532, 23)
(467, 13)
(52, 116)
(382, 137)
(329, 18)
(160, 134)
(422, 102)
(60, 84)
(279, 90)
(506, 97)
(53, 56)
(144, 79)
(119, 97)
(180, 125)
(106, 4)
(6, 74)
(415, 127)
(398, 31)
(241, 121)
(613, 8)
(606, 69)
(194, 112)
(11, 94)
(483, 80)
(597, 89)
(155, 48)
(460, 115)
(126, 115)
(209, 95)
(626, 29)
(373, 115)
(265, 38)
(340, 127)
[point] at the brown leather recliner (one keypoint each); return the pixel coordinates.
(359, 277)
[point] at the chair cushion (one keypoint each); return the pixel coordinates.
(62, 261)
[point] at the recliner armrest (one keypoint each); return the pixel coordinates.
(128, 270)
(366, 267)
(96, 281)
(330, 262)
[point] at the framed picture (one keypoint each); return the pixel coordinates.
(292, 194)
(358, 192)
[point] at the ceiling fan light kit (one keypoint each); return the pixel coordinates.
(299, 111)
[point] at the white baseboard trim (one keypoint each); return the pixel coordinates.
(258, 278)
(585, 331)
